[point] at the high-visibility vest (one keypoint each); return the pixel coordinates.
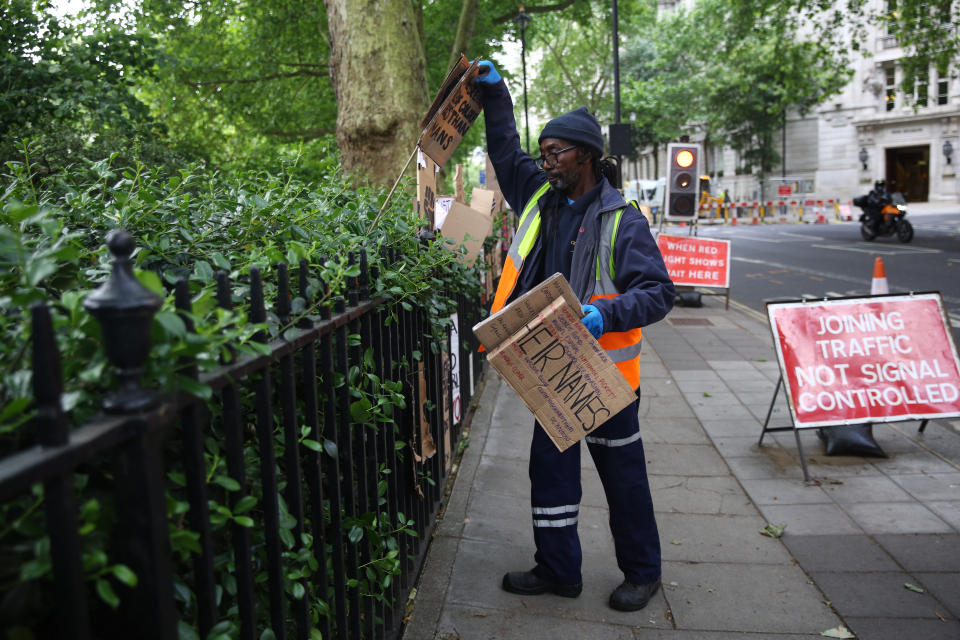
(623, 347)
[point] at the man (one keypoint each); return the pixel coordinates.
(574, 222)
(873, 204)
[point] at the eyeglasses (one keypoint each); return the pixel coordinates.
(551, 158)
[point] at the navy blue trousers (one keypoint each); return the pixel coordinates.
(555, 498)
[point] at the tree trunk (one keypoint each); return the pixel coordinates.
(378, 71)
(461, 43)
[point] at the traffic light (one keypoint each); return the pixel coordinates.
(683, 168)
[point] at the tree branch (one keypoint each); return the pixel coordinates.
(461, 43)
(571, 81)
(546, 8)
(267, 78)
(302, 134)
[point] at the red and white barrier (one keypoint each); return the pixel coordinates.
(810, 211)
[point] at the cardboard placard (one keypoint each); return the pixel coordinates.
(453, 76)
(697, 262)
(426, 448)
(446, 408)
(459, 105)
(545, 353)
(469, 226)
(491, 175)
(442, 209)
(426, 187)
(455, 367)
(876, 359)
(484, 200)
(492, 331)
(459, 194)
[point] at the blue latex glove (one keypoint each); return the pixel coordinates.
(488, 73)
(593, 321)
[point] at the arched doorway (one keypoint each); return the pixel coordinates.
(908, 171)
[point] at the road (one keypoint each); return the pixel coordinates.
(793, 261)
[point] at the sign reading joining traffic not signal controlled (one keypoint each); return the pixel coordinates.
(877, 359)
(696, 261)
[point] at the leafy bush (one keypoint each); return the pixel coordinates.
(70, 89)
(188, 224)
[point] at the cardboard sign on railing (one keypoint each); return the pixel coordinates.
(697, 262)
(464, 224)
(876, 359)
(426, 187)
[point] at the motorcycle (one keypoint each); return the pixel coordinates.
(884, 216)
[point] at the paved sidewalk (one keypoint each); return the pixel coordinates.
(855, 535)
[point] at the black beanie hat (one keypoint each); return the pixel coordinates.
(578, 126)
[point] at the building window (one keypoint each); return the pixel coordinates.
(942, 91)
(921, 89)
(890, 84)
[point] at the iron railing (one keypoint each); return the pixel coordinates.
(364, 472)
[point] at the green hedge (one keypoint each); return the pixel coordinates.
(187, 224)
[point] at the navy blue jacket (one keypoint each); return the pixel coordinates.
(646, 291)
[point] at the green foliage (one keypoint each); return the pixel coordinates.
(69, 89)
(575, 56)
(188, 224)
(240, 82)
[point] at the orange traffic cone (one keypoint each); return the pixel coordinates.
(879, 284)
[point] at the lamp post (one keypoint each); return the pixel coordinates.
(863, 157)
(616, 64)
(947, 150)
(522, 20)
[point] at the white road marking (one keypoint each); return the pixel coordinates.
(800, 235)
(754, 239)
(876, 249)
(750, 260)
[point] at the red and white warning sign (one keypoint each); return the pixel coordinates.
(878, 359)
(696, 261)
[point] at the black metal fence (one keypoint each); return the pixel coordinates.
(321, 539)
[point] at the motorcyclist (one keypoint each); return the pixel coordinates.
(873, 203)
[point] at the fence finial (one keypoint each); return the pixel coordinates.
(125, 309)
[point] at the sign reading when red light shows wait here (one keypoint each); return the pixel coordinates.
(696, 261)
(877, 359)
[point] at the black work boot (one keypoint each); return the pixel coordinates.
(632, 597)
(527, 583)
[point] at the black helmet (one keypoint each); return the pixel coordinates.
(880, 185)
